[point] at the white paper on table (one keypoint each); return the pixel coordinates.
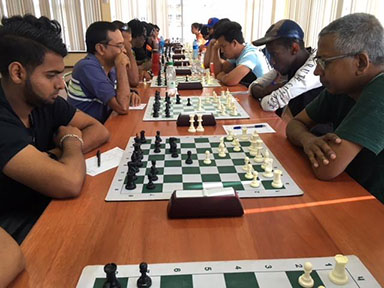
(240, 93)
(109, 160)
(138, 107)
(258, 127)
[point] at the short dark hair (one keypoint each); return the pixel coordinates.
(231, 31)
(198, 26)
(96, 33)
(288, 42)
(122, 26)
(137, 28)
(217, 25)
(26, 39)
(204, 30)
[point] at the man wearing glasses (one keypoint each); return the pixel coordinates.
(100, 82)
(350, 63)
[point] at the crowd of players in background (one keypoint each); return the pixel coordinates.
(337, 88)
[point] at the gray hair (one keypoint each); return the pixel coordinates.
(356, 33)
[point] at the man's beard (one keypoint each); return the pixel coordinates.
(32, 98)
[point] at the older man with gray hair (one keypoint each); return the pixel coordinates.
(350, 63)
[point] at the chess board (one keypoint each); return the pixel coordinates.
(175, 174)
(193, 78)
(175, 110)
(281, 273)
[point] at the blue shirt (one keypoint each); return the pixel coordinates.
(252, 58)
(90, 88)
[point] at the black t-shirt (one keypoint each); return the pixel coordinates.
(20, 206)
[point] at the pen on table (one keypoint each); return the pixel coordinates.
(98, 155)
(252, 126)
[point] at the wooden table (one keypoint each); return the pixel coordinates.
(330, 218)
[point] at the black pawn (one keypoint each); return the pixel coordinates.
(154, 166)
(186, 78)
(189, 158)
(150, 185)
(142, 137)
(110, 271)
(144, 281)
(178, 99)
(189, 102)
(130, 181)
(152, 171)
(157, 147)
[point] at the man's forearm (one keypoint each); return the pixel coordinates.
(94, 136)
(217, 61)
(123, 88)
(297, 133)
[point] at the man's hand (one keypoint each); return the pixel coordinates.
(122, 60)
(318, 149)
(135, 99)
(64, 130)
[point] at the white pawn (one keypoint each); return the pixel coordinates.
(191, 128)
(277, 183)
(268, 169)
(200, 105)
(249, 174)
(305, 280)
(255, 183)
(207, 159)
(200, 127)
(230, 135)
(222, 93)
(222, 112)
(246, 162)
(266, 157)
(338, 275)
(244, 134)
(258, 157)
(234, 111)
(222, 150)
(255, 135)
(237, 145)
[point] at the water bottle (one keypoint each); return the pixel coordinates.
(195, 48)
(171, 78)
(161, 44)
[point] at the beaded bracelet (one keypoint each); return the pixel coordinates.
(70, 135)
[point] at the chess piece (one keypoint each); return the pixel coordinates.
(153, 173)
(305, 280)
(277, 183)
(189, 102)
(200, 127)
(222, 150)
(200, 105)
(150, 184)
(189, 158)
(191, 128)
(207, 159)
(268, 169)
(338, 275)
(255, 183)
(244, 134)
(230, 135)
(246, 162)
(234, 110)
(258, 157)
(110, 271)
(157, 147)
(142, 137)
(178, 99)
(249, 174)
(158, 138)
(237, 145)
(144, 280)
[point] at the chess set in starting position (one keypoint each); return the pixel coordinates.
(169, 108)
(342, 271)
(206, 81)
(152, 168)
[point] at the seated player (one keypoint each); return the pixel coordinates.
(210, 27)
(139, 33)
(245, 61)
(195, 29)
(204, 32)
(350, 63)
(285, 47)
(92, 87)
(11, 259)
(132, 69)
(43, 137)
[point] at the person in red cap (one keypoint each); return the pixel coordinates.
(290, 60)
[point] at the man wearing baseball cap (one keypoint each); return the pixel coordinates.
(286, 53)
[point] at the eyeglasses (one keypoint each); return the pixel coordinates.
(120, 46)
(323, 62)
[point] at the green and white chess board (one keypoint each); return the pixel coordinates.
(209, 105)
(175, 174)
(281, 273)
(206, 82)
